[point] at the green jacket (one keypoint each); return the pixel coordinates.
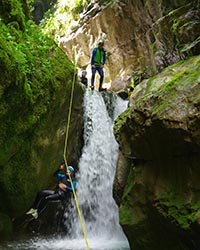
(98, 57)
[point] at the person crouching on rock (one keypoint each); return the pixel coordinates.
(84, 79)
(62, 191)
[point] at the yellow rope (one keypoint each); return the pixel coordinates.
(65, 159)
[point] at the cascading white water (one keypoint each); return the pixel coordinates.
(95, 180)
(97, 170)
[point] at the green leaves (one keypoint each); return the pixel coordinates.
(65, 18)
(31, 76)
(35, 78)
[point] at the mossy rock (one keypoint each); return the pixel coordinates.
(35, 88)
(6, 227)
(160, 205)
(12, 10)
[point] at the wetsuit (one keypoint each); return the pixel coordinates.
(98, 59)
(84, 81)
(54, 195)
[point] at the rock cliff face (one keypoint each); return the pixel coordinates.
(156, 183)
(35, 87)
(141, 37)
(160, 201)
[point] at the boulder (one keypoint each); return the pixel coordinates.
(159, 208)
(35, 89)
(6, 227)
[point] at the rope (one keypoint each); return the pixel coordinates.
(65, 158)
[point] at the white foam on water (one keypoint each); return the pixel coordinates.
(79, 244)
(95, 184)
(97, 170)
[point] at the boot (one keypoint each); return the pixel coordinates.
(102, 89)
(33, 212)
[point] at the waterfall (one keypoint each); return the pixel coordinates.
(97, 168)
(95, 182)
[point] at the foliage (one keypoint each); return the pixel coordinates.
(13, 10)
(60, 22)
(65, 17)
(35, 80)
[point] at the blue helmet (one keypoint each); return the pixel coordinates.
(62, 162)
(71, 169)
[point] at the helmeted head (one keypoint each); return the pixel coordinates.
(62, 166)
(70, 170)
(101, 44)
(62, 162)
(84, 72)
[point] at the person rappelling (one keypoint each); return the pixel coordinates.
(66, 179)
(98, 61)
(84, 79)
(61, 193)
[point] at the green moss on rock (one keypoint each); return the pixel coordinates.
(13, 10)
(35, 87)
(160, 204)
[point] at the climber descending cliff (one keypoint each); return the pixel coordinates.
(98, 61)
(95, 177)
(61, 193)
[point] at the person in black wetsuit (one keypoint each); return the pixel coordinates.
(59, 194)
(84, 79)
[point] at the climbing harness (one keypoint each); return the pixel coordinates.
(65, 157)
